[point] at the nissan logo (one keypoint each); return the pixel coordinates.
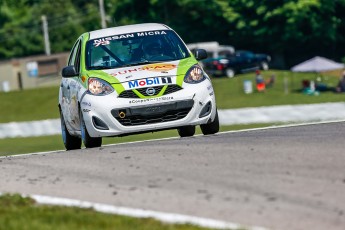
(150, 91)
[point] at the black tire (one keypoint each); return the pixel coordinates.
(264, 65)
(89, 142)
(70, 142)
(230, 73)
(211, 128)
(186, 131)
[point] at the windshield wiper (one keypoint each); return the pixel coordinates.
(142, 62)
(100, 67)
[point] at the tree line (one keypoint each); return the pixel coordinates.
(290, 31)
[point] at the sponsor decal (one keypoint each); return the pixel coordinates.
(73, 84)
(149, 82)
(86, 110)
(106, 40)
(161, 67)
(209, 87)
(86, 103)
(141, 101)
(83, 78)
(211, 93)
(148, 33)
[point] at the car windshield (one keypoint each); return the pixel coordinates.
(134, 49)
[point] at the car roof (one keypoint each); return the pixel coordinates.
(127, 29)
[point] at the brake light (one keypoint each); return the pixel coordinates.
(220, 67)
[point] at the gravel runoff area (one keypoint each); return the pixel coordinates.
(267, 114)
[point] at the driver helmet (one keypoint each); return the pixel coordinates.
(152, 46)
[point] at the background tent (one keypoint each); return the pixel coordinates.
(317, 64)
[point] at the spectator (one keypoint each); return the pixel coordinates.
(271, 80)
(341, 85)
(260, 82)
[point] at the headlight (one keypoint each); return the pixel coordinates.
(194, 75)
(99, 87)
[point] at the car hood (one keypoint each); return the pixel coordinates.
(162, 69)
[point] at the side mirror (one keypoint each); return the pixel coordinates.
(69, 71)
(200, 54)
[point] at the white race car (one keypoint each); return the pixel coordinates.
(133, 79)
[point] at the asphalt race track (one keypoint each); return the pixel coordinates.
(290, 178)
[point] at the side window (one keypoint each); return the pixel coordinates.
(210, 54)
(73, 54)
(77, 58)
(225, 53)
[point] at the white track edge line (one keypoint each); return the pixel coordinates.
(171, 138)
(171, 218)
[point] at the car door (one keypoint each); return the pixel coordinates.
(245, 60)
(70, 88)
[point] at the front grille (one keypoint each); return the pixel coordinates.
(154, 113)
(142, 91)
(128, 94)
(172, 89)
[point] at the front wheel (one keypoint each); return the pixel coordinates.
(89, 142)
(211, 128)
(186, 131)
(70, 142)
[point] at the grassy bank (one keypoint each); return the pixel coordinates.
(38, 104)
(287, 90)
(29, 105)
(18, 213)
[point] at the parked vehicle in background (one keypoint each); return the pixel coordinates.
(133, 79)
(240, 62)
(213, 49)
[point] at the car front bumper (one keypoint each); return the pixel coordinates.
(113, 116)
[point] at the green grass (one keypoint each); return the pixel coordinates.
(29, 105)
(18, 213)
(38, 104)
(230, 93)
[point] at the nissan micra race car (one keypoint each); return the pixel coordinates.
(133, 79)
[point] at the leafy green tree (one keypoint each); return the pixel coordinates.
(21, 26)
(292, 30)
(194, 20)
(66, 22)
(289, 30)
(18, 30)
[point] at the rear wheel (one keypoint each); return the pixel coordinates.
(186, 131)
(230, 73)
(264, 65)
(89, 142)
(70, 142)
(211, 128)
